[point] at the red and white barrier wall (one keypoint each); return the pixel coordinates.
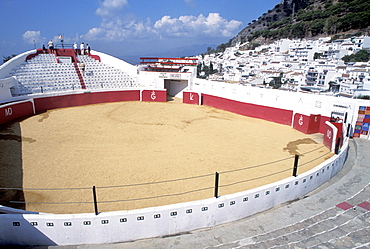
(26, 108)
(87, 98)
(13, 111)
(154, 95)
(191, 98)
(111, 227)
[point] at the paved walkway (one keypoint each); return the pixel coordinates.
(336, 215)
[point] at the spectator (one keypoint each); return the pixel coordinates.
(75, 47)
(43, 49)
(51, 46)
(82, 48)
(88, 49)
(82, 66)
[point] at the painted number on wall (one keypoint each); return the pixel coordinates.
(8, 111)
(300, 120)
(153, 96)
(328, 134)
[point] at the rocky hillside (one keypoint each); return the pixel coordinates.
(304, 19)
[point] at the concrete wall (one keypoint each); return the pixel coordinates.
(5, 85)
(12, 111)
(176, 87)
(307, 105)
(156, 80)
(110, 227)
(69, 100)
(7, 67)
(40, 103)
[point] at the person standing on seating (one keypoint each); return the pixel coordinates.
(75, 47)
(82, 48)
(88, 49)
(51, 46)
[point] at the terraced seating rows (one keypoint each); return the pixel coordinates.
(43, 74)
(99, 75)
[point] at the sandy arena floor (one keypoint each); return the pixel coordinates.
(127, 143)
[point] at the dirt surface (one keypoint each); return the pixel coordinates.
(57, 156)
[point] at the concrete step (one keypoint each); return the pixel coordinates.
(334, 225)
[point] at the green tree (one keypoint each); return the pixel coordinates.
(317, 55)
(199, 69)
(330, 26)
(361, 56)
(276, 83)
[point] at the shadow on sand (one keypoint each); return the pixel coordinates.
(11, 166)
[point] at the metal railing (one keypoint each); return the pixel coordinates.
(206, 182)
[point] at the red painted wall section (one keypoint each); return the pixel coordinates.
(340, 132)
(315, 121)
(272, 114)
(17, 110)
(190, 98)
(322, 128)
(307, 124)
(30, 56)
(47, 103)
(154, 95)
(328, 136)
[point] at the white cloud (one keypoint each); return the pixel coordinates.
(190, 2)
(211, 26)
(94, 34)
(32, 36)
(110, 7)
(117, 27)
(117, 30)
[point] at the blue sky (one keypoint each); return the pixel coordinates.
(126, 28)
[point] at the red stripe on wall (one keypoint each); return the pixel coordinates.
(47, 103)
(17, 110)
(272, 114)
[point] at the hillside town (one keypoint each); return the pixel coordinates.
(308, 65)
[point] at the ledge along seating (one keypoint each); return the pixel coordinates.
(45, 72)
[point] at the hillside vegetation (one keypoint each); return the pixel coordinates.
(304, 19)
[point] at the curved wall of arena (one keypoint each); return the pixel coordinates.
(25, 228)
(8, 66)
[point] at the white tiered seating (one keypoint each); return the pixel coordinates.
(43, 74)
(99, 75)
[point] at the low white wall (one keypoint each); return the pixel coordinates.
(5, 85)
(110, 227)
(8, 66)
(297, 102)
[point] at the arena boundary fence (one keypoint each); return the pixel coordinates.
(208, 182)
(109, 227)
